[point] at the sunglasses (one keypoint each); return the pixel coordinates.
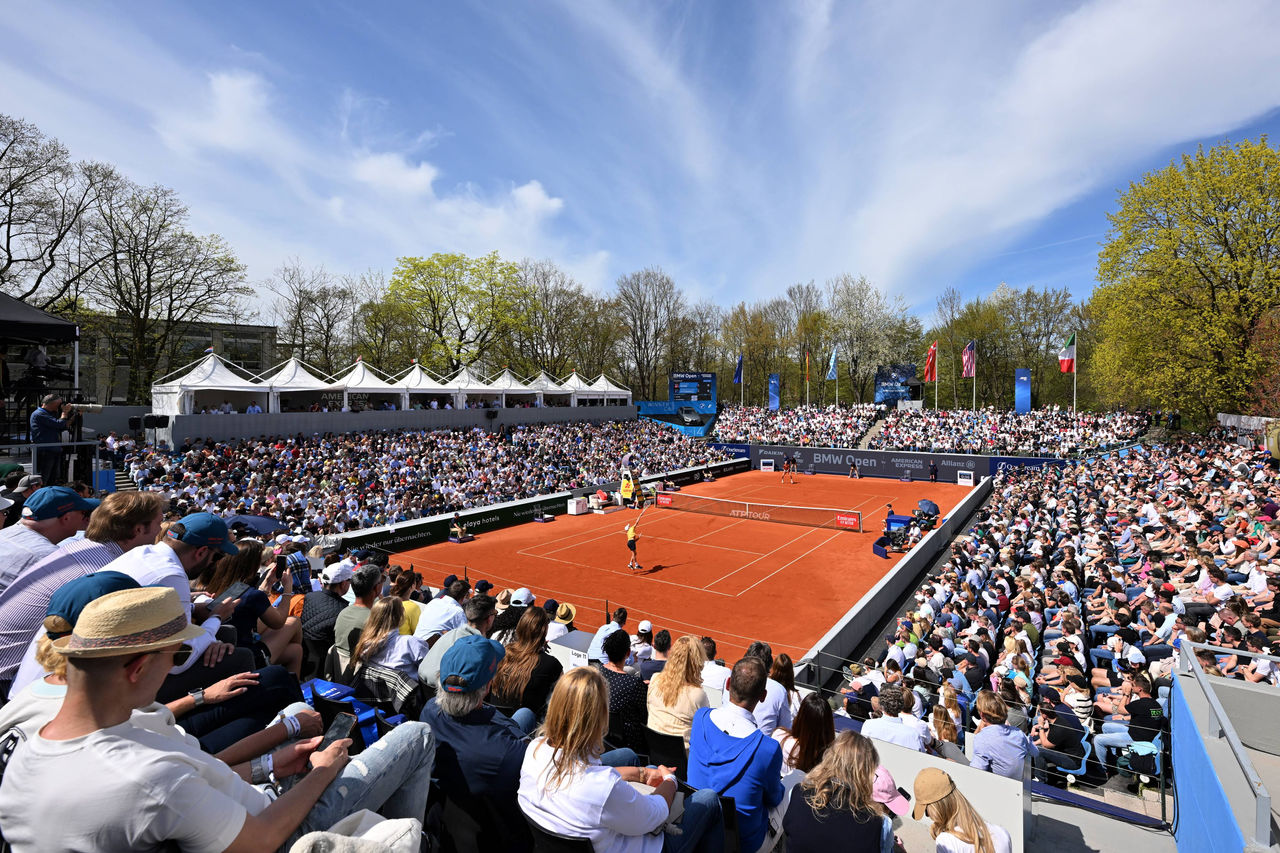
(180, 656)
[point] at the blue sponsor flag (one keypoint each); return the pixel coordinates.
(1022, 390)
(775, 391)
(831, 365)
(737, 373)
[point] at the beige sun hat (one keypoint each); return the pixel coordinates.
(130, 621)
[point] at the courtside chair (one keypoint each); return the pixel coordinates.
(667, 750)
(546, 841)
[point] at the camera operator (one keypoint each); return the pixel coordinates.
(47, 424)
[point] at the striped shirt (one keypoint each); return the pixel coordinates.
(25, 603)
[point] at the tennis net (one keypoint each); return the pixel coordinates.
(805, 516)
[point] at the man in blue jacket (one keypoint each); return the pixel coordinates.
(729, 754)
(47, 424)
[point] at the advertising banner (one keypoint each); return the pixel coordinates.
(891, 382)
(737, 451)
(894, 463)
(775, 392)
(1022, 390)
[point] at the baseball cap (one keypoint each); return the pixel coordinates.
(74, 595)
(645, 626)
(31, 481)
(5, 503)
(550, 605)
(885, 791)
(54, 502)
(522, 597)
(472, 661)
(483, 587)
(565, 613)
(448, 580)
(204, 530)
(338, 572)
(1050, 695)
(1136, 657)
(930, 786)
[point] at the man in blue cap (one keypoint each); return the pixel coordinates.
(49, 516)
(187, 548)
(479, 749)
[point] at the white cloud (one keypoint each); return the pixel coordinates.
(391, 172)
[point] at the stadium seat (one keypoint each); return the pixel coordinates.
(546, 841)
(667, 750)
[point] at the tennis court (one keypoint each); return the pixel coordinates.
(734, 579)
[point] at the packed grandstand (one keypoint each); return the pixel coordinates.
(1048, 640)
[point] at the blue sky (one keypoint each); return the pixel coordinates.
(740, 146)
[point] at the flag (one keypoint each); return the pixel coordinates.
(931, 363)
(806, 366)
(208, 350)
(737, 373)
(831, 365)
(969, 359)
(1067, 356)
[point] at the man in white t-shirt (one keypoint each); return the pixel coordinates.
(143, 784)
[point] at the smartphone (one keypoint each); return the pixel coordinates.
(340, 728)
(282, 565)
(903, 791)
(236, 590)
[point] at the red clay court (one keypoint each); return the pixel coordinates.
(733, 579)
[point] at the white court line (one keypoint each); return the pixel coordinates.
(524, 551)
(786, 544)
(792, 563)
(633, 574)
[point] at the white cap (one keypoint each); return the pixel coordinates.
(644, 626)
(522, 597)
(338, 572)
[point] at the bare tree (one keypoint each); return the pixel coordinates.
(46, 215)
(649, 304)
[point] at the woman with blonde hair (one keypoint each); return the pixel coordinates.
(946, 736)
(382, 643)
(957, 827)
(836, 807)
(567, 789)
(675, 693)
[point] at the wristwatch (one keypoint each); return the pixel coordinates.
(198, 696)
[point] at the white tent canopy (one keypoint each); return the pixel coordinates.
(292, 377)
(549, 391)
(209, 379)
(361, 379)
(513, 390)
(609, 390)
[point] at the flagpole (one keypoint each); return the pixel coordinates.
(1075, 371)
(975, 379)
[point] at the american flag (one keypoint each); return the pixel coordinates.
(969, 359)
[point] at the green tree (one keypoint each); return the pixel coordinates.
(460, 307)
(1189, 271)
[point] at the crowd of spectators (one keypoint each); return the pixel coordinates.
(332, 483)
(812, 426)
(1052, 633)
(1053, 431)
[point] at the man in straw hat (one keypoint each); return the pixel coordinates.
(142, 788)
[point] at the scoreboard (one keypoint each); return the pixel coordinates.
(693, 387)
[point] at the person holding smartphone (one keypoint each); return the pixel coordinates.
(153, 786)
(269, 632)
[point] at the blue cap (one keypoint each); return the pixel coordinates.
(54, 501)
(473, 659)
(72, 596)
(551, 606)
(204, 529)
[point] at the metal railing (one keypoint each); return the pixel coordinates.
(67, 449)
(1220, 726)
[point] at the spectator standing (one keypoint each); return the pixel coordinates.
(729, 754)
(47, 423)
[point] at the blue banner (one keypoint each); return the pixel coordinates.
(1022, 390)
(892, 382)
(737, 372)
(737, 451)
(775, 391)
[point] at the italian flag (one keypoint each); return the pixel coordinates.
(1067, 356)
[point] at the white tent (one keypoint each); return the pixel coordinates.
(209, 383)
(464, 384)
(610, 392)
(418, 380)
(513, 390)
(291, 378)
(549, 391)
(363, 383)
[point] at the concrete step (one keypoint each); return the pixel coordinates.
(123, 483)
